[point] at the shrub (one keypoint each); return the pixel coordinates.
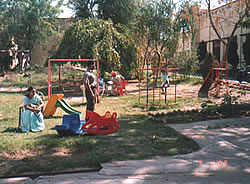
(206, 65)
(100, 39)
(187, 63)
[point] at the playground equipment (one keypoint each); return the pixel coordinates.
(154, 64)
(58, 101)
(72, 125)
(121, 87)
(218, 75)
(101, 124)
(59, 74)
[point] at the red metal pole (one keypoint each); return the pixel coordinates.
(59, 76)
(66, 60)
(226, 76)
(49, 80)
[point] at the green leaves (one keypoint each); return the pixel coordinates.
(119, 11)
(27, 21)
(99, 39)
(187, 61)
(156, 28)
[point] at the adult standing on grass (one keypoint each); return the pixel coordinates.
(90, 83)
(32, 117)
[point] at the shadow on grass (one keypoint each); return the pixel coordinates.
(79, 104)
(13, 130)
(190, 80)
(53, 117)
(12, 92)
(138, 138)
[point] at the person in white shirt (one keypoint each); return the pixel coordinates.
(116, 80)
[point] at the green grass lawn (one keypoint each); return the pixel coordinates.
(138, 138)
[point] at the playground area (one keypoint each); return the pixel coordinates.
(142, 129)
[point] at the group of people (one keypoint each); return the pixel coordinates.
(104, 84)
(90, 83)
(32, 118)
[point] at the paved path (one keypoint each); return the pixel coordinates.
(224, 158)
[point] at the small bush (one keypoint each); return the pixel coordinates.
(187, 63)
(206, 65)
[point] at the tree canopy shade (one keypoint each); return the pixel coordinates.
(100, 39)
(28, 21)
(119, 11)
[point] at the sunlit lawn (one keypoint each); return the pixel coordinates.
(138, 138)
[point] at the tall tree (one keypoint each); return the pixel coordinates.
(97, 38)
(119, 11)
(188, 19)
(84, 8)
(156, 27)
(28, 21)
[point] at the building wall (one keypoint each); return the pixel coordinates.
(44, 49)
(224, 19)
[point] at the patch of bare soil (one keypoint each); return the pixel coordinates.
(189, 116)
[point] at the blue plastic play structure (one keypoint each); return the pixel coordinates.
(71, 125)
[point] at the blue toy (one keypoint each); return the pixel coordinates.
(71, 125)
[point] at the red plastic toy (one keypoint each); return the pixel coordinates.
(101, 124)
(123, 87)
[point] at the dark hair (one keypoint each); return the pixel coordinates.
(29, 90)
(90, 63)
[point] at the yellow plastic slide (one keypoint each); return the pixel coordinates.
(51, 105)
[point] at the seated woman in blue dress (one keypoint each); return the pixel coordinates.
(32, 117)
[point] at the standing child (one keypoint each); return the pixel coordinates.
(164, 79)
(116, 80)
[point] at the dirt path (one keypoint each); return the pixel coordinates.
(181, 90)
(192, 91)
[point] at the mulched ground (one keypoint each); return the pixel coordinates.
(189, 116)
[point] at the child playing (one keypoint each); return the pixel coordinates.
(164, 79)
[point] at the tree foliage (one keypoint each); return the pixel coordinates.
(27, 21)
(119, 11)
(156, 27)
(187, 62)
(188, 19)
(206, 65)
(95, 38)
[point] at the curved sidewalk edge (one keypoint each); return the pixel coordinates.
(224, 146)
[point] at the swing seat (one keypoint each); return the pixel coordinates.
(100, 124)
(71, 125)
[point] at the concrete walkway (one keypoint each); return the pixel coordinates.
(224, 158)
